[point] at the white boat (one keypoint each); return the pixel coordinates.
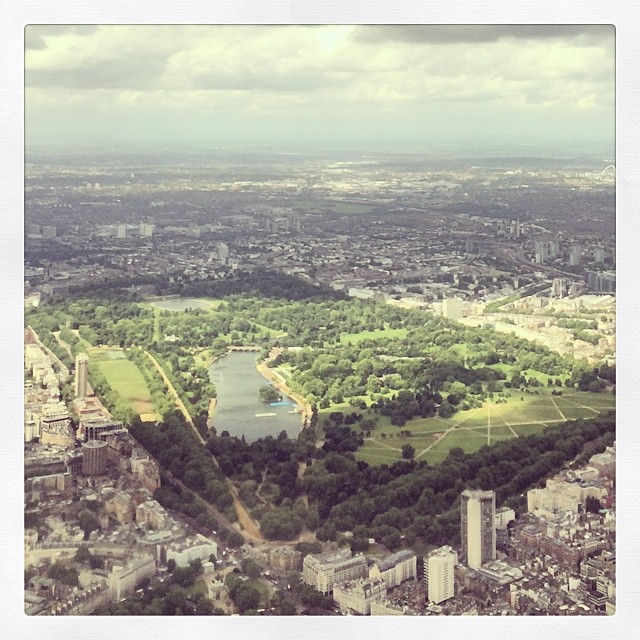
(265, 415)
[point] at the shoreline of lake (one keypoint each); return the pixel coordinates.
(237, 394)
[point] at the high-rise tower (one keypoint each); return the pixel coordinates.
(82, 375)
(439, 574)
(477, 519)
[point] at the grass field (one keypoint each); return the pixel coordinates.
(125, 379)
(432, 438)
(376, 334)
(273, 333)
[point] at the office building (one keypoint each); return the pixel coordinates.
(100, 428)
(439, 574)
(478, 531)
(121, 231)
(55, 425)
(82, 375)
(197, 547)
(94, 458)
(124, 579)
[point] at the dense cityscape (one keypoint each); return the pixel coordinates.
(456, 245)
(320, 320)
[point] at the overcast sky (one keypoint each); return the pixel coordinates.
(340, 85)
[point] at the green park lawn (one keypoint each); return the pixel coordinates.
(126, 380)
(273, 333)
(432, 438)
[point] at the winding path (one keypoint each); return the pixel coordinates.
(176, 397)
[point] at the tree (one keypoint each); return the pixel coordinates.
(250, 568)
(592, 505)
(245, 596)
(445, 410)
(268, 394)
(287, 607)
(82, 555)
(204, 607)
(88, 522)
(408, 451)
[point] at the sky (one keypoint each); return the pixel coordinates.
(338, 85)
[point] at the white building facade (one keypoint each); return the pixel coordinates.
(439, 574)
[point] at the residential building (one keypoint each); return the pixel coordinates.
(439, 574)
(121, 506)
(152, 514)
(324, 571)
(395, 569)
(504, 515)
(356, 597)
(82, 375)
(285, 559)
(478, 531)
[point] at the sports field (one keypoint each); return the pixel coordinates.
(432, 438)
(124, 378)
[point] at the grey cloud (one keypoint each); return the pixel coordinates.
(256, 80)
(61, 29)
(33, 40)
(139, 72)
(35, 35)
(467, 33)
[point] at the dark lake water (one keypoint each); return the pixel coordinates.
(237, 384)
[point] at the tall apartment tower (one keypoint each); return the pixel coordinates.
(82, 375)
(477, 519)
(439, 574)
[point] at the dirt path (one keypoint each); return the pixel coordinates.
(248, 524)
(176, 397)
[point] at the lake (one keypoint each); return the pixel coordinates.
(238, 383)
